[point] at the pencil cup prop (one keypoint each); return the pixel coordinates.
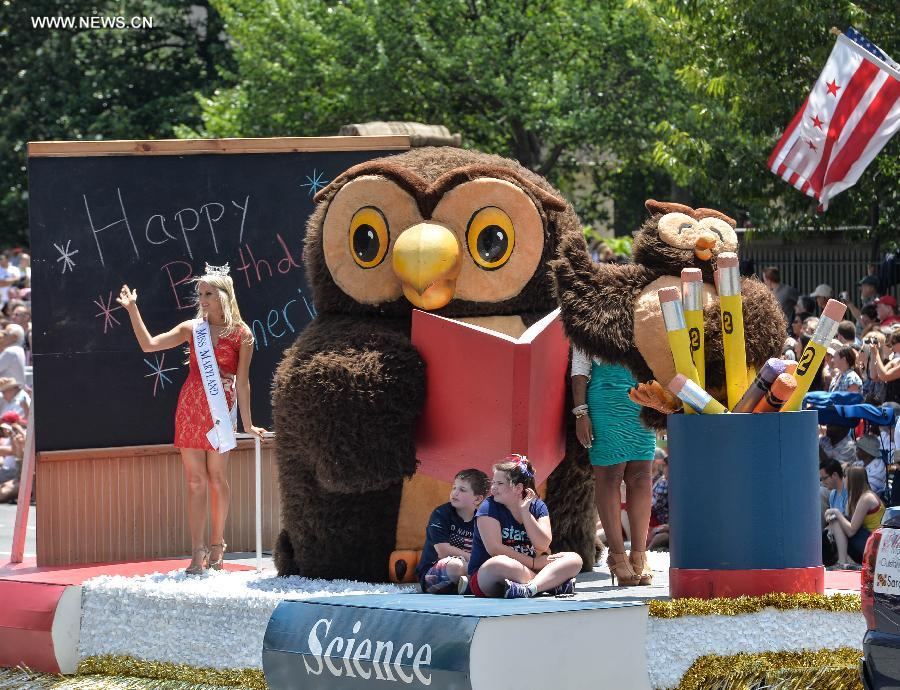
(814, 352)
(676, 330)
(753, 476)
(732, 312)
(692, 301)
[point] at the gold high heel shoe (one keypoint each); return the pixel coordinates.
(198, 565)
(220, 561)
(641, 568)
(620, 569)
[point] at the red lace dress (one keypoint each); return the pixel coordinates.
(192, 417)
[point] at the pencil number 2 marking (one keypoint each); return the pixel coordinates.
(805, 360)
(728, 322)
(694, 334)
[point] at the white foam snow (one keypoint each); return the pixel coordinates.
(218, 619)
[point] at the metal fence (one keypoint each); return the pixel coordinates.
(841, 266)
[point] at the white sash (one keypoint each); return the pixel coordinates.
(221, 436)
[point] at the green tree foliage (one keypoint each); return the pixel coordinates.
(552, 83)
(96, 83)
(744, 69)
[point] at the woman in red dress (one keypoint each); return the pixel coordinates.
(204, 467)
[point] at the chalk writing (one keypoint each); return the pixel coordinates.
(243, 215)
(272, 327)
(315, 182)
(158, 372)
(186, 272)
(182, 227)
(261, 268)
(106, 310)
(66, 256)
(96, 231)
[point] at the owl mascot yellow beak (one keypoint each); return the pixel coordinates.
(426, 259)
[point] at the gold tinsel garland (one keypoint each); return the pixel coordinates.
(161, 670)
(23, 679)
(675, 608)
(811, 670)
(807, 670)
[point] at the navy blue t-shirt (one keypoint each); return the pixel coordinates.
(445, 526)
(512, 532)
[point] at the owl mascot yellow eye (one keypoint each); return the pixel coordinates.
(434, 232)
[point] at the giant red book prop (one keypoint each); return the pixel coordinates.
(489, 395)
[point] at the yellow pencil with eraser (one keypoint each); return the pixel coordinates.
(732, 311)
(814, 352)
(676, 330)
(695, 399)
(692, 300)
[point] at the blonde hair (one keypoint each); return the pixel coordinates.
(230, 311)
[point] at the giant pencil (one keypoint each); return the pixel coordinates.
(761, 384)
(732, 327)
(780, 391)
(692, 299)
(676, 330)
(814, 352)
(695, 399)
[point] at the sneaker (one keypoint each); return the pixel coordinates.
(566, 589)
(462, 585)
(514, 590)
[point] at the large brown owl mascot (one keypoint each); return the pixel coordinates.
(612, 311)
(388, 236)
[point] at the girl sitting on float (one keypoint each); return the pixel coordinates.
(511, 548)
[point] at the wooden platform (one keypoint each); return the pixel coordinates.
(128, 504)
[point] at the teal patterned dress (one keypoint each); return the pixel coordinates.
(619, 435)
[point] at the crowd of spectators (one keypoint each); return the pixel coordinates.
(15, 367)
(862, 363)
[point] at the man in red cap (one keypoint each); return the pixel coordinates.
(886, 305)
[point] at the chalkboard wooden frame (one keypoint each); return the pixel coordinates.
(150, 214)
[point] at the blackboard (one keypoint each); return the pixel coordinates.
(150, 214)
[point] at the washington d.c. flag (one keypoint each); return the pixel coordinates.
(851, 113)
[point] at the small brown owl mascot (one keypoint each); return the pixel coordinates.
(461, 234)
(612, 311)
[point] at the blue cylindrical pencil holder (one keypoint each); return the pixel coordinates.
(744, 507)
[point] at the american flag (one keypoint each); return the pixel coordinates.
(851, 113)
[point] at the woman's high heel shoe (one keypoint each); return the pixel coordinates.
(620, 569)
(641, 568)
(219, 563)
(199, 561)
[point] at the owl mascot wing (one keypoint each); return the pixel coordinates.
(460, 234)
(611, 311)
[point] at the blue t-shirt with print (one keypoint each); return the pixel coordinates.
(512, 532)
(445, 526)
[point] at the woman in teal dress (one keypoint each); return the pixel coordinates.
(620, 449)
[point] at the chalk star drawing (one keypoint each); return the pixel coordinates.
(66, 256)
(156, 369)
(106, 310)
(315, 182)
